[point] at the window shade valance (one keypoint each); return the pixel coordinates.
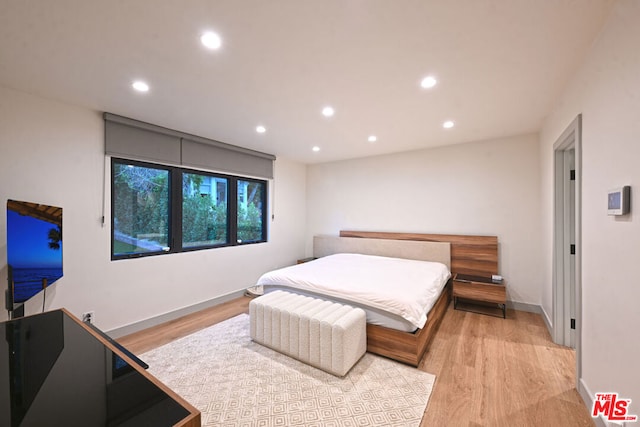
(137, 140)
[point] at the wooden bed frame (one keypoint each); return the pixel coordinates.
(475, 255)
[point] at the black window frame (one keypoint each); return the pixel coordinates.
(264, 209)
(175, 204)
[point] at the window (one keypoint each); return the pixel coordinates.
(140, 209)
(158, 209)
(251, 212)
(204, 215)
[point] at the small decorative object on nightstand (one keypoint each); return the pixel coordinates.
(485, 292)
(303, 260)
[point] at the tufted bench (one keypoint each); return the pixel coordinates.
(324, 334)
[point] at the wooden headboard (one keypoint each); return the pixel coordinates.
(474, 255)
(419, 250)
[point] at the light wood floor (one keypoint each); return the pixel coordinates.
(489, 371)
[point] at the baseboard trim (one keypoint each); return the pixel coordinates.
(547, 321)
(585, 394)
(523, 306)
(172, 315)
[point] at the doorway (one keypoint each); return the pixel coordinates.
(567, 298)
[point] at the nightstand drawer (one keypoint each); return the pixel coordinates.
(477, 291)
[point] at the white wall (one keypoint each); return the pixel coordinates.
(52, 153)
(606, 90)
(482, 188)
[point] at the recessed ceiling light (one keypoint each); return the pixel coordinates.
(448, 124)
(261, 129)
(140, 86)
(373, 138)
(211, 40)
(328, 111)
(316, 148)
(428, 82)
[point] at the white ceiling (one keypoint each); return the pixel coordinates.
(500, 66)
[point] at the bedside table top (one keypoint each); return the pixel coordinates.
(470, 278)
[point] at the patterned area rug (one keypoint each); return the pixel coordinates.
(236, 382)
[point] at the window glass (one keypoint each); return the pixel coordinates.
(204, 210)
(159, 209)
(251, 211)
(141, 218)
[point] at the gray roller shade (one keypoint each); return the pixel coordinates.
(136, 140)
(132, 142)
(199, 155)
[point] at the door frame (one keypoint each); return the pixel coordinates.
(570, 139)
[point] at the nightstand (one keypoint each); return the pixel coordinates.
(480, 295)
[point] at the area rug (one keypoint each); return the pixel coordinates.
(236, 382)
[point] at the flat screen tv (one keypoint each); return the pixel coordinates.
(34, 249)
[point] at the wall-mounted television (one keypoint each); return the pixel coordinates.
(34, 249)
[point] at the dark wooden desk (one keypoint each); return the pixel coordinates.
(55, 370)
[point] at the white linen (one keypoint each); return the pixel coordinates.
(407, 288)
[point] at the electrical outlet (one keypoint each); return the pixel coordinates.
(88, 317)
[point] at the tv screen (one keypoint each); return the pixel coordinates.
(34, 248)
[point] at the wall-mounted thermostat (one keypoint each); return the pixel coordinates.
(618, 201)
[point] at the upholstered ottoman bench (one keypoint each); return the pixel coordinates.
(324, 334)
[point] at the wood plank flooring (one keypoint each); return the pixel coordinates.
(157, 336)
(501, 372)
(489, 371)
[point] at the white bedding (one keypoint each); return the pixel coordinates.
(406, 288)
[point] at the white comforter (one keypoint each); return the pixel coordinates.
(404, 287)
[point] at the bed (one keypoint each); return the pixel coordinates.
(396, 293)
(400, 330)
